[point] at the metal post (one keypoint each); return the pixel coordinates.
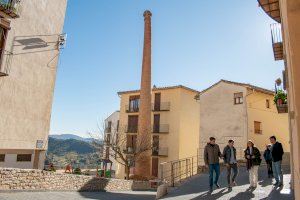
(179, 170)
(172, 175)
(192, 166)
(186, 168)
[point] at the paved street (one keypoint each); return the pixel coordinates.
(193, 189)
(197, 188)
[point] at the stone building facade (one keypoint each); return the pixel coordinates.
(31, 38)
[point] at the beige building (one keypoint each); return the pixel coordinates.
(30, 46)
(175, 124)
(238, 111)
(286, 47)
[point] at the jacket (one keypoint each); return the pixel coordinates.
(212, 154)
(267, 155)
(227, 154)
(277, 152)
(252, 161)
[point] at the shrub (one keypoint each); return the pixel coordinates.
(77, 170)
(280, 95)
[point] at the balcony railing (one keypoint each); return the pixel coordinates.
(163, 106)
(277, 41)
(130, 109)
(131, 128)
(282, 108)
(160, 128)
(10, 7)
(258, 131)
(128, 150)
(162, 151)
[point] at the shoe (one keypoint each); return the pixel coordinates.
(233, 183)
(217, 185)
(275, 184)
(211, 189)
(280, 185)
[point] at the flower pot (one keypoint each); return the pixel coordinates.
(279, 101)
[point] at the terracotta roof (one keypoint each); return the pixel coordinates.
(247, 85)
(160, 88)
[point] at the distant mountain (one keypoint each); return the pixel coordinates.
(70, 136)
(62, 147)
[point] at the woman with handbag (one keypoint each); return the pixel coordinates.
(252, 155)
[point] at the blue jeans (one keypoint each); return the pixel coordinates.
(276, 166)
(212, 168)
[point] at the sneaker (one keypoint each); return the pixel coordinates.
(280, 185)
(211, 189)
(217, 185)
(276, 184)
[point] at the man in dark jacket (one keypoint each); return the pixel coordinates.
(212, 154)
(229, 154)
(277, 153)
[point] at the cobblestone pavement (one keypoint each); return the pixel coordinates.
(196, 188)
(193, 189)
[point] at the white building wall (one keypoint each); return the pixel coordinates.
(221, 119)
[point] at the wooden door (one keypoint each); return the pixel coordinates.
(155, 166)
(133, 123)
(157, 101)
(156, 123)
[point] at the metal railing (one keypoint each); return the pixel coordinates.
(277, 44)
(161, 151)
(160, 128)
(131, 129)
(173, 172)
(10, 7)
(132, 109)
(163, 106)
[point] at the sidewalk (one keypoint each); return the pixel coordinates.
(196, 188)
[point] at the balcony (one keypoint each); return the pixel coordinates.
(283, 108)
(160, 128)
(163, 106)
(162, 151)
(272, 8)
(130, 109)
(131, 128)
(10, 7)
(277, 41)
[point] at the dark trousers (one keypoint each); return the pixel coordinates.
(214, 168)
(230, 168)
(269, 167)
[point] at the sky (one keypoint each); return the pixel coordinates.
(194, 43)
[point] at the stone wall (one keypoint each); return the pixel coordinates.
(25, 179)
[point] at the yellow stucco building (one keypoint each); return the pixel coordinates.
(231, 110)
(175, 124)
(286, 47)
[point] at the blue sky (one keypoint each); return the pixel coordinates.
(194, 43)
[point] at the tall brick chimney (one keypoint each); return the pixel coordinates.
(143, 163)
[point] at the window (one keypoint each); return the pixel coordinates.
(107, 153)
(107, 139)
(3, 35)
(257, 127)
(267, 103)
(108, 128)
(2, 157)
(118, 125)
(238, 98)
(132, 123)
(24, 158)
(134, 103)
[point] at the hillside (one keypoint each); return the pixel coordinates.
(70, 136)
(61, 147)
(79, 153)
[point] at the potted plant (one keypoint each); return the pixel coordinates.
(280, 98)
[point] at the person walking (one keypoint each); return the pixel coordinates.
(268, 159)
(229, 156)
(212, 154)
(252, 155)
(277, 153)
